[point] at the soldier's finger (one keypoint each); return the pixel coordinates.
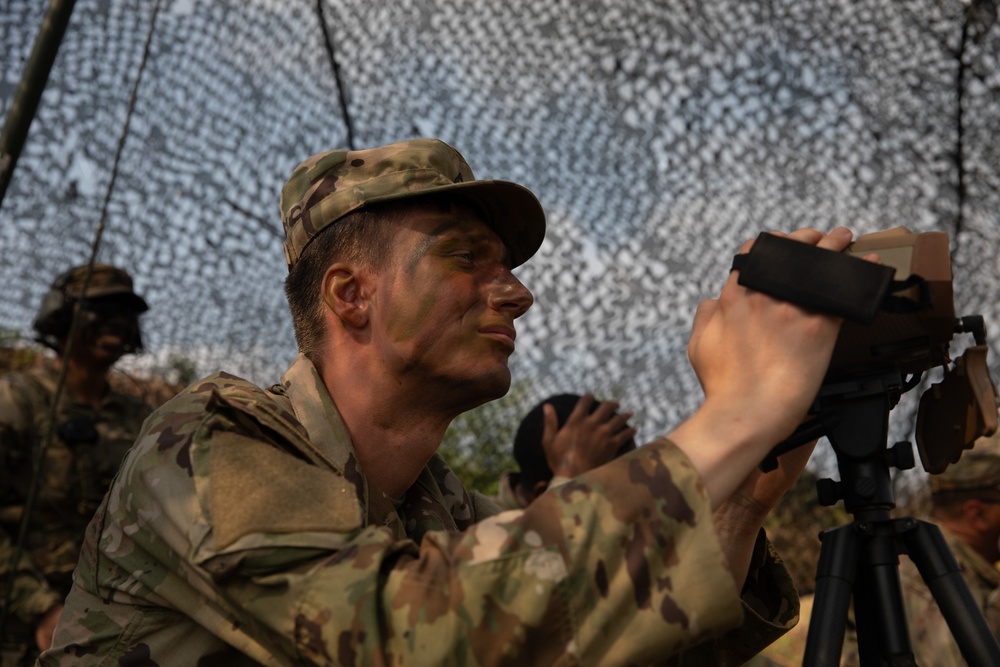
(550, 424)
(603, 412)
(581, 409)
(619, 420)
(623, 436)
(837, 239)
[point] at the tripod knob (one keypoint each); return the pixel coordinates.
(900, 456)
(828, 492)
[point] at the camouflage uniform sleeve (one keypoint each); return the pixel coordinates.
(618, 566)
(506, 498)
(212, 520)
(15, 416)
(31, 596)
(771, 608)
(484, 506)
(17, 433)
(993, 612)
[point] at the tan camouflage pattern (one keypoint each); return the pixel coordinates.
(933, 643)
(789, 649)
(75, 477)
(993, 612)
(767, 594)
(506, 497)
(977, 470)
(30, 598)
(326, 187)
(766, 574)
(240, 530)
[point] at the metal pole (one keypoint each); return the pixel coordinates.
(29, 90)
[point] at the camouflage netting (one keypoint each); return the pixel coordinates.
(658, 134)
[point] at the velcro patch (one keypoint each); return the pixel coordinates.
(257, 488)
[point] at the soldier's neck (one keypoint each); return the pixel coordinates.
(85, 383)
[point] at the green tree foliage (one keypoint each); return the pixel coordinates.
(479, 444)
(182, 371)
(16, 352)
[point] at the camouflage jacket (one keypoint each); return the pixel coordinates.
(241, 531)
(80, 461)
(932, 641)
(30, 597)
(506, 498)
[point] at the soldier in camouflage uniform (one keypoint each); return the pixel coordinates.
(314, 523)
(561, 437)
(966, 507)
(93, 428)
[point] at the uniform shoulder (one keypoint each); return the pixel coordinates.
(223, 401)
(27, 390)
(38, 380)
(219, 383)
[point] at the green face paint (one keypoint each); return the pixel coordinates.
(437, 311)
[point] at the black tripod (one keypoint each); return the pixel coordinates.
(861, 558)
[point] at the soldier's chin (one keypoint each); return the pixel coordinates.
(110, 348)
(496, 386)
(483, 389)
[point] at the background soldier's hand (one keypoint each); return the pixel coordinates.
(46, 627)
(586, 440)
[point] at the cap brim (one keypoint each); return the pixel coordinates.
(511, 210)
(121, 295)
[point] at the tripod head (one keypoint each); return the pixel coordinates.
(854, 415)
(852, 410)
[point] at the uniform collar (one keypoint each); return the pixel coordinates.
(316, 411)
(970, 558)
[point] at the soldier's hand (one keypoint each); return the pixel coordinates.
(760, 362)
(46, 627)
(587, 439)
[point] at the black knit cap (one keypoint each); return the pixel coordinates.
(528, 450)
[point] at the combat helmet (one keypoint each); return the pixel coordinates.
(109, 289)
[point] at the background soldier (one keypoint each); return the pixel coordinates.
(561, 437)
(93, 428)
(966, 507)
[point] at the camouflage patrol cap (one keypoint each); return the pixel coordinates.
(326, 187)
(105, 281)
(977, 470)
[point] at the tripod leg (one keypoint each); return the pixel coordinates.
(939, 570)
(834, 583)
(883, 634)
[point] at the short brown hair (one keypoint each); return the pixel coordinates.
(364, 236)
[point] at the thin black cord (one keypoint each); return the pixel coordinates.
(46, 435)
(336, 74)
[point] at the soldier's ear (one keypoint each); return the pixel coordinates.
(976, 513)
(346, 294)
(539, 488)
